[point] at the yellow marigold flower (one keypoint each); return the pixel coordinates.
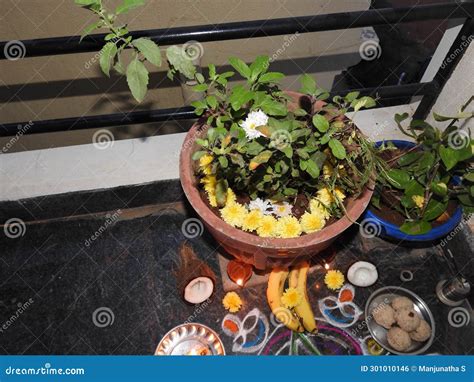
(205, 160)
(268, 227)
(231, 198)
(291, 298)
(328, 170)
(419, 200)
(334, 279)
(316, 207)
(288, 226)
(340, 194)
(325, 196)
(211, 196)
(252, 220)
(209, 179)
(206, 170)
(232, 302)
(312, 222)
(234, 214)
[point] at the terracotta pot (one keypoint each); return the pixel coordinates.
(262, 253)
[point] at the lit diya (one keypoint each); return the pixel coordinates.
(190, 339)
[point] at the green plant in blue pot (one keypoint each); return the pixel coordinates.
(429, 184)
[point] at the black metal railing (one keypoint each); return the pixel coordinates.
(251, 29)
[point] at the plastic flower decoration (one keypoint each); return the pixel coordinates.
(334, 279)
(254, 119)
(232, 302)
(291, 298)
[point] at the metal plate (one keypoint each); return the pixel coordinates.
(379, 333)
(190, 339)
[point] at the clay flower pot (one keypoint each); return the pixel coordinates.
(262, 253)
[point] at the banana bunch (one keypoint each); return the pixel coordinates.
(301, 317)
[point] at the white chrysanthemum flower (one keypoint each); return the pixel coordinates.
(254, 120)
(263, 206)
(281, 209)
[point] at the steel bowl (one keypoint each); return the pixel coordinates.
(190, 339)
(379, 333)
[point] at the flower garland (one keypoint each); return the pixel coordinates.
(267, 218)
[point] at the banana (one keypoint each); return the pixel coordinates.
(276, 284)
(298, 277)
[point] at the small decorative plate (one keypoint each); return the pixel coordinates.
(190, 339)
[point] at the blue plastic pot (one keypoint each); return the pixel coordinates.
(390, 230)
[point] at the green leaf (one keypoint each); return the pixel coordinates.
(449, 157)
(223, 161)
(107, 54)
(312, 168)
(409, 158)
(308, 84)
(271, 77)
(415, 228)
(221, 192)
(260, 65)
(211, 101)
(321, 123)
(469, 177)
(87, 3)
(87, 30)
(198, 154)
(398, 178)
(240, 96)
(351, 96)
(199, 88)
(401, 117)
(412, 187)
(440, 188)
(434, 209)
(212, 71)
(149, 49)
(241, 67)
(263, 157)
(366, 102)
(129, 5)
(337, 148)
(137, 79)
(275, 108)
(180, 61)
(442, 118)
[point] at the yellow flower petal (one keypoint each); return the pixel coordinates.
(252, 220)
(291, 298)
(234, 214)
(232, 302)
(312, 222)
(419, 200)
(268, 227)
(205, 160)
(334, 279)
(288, 226)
